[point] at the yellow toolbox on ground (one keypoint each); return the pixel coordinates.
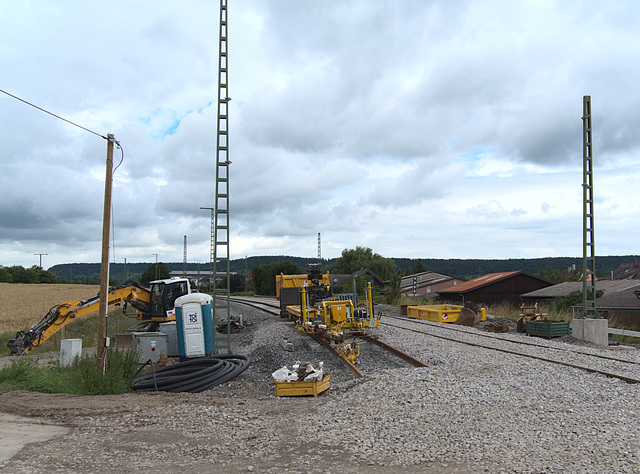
(300, 389)
(439, 313)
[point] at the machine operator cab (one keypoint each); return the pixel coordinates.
(163, 296)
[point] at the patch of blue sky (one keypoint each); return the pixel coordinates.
(165, 122)
(173, 128)
(162, 123)
(476, 154)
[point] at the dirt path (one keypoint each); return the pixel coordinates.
(18, 431)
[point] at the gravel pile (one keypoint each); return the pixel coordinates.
(469, 410)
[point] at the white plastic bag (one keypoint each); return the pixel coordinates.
(315, 374)
(281, 375)
(292, 377)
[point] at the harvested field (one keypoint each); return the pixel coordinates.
(22, 305)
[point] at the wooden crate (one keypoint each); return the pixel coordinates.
(301, 389)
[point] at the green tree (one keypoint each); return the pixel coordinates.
(393, 295)
(264, 276)
(361, 285)
(5, 275)
(48, 277)
(150, 273)
(563, 304)
(21, 275)
(237, 283)
(359, 258)
(550, 274)
(419, 268)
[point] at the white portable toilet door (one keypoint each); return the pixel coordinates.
(193, 330)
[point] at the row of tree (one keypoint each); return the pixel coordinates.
(34, 274)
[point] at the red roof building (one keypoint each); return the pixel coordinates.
(495, 288)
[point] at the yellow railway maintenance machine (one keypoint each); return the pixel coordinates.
(288, 286)
(334, 317)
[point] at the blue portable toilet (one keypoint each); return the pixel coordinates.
(194, 324)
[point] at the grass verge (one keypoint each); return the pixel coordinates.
(83, 378)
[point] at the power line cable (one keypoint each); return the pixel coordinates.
(121, 158)
(117, 143)
(51, 113)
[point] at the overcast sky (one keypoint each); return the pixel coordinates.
(420, 129)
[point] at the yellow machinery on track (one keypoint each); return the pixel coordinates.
(332, 316)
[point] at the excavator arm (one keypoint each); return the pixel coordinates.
(61, 315)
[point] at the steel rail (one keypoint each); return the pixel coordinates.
(396, 352)
(530, 356)
(262, 306)
(324, 343)
(497, 336)
(249, 300)
(341, 358)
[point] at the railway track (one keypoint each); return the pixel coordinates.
(263, 304)
(274, 309)
(623, 368)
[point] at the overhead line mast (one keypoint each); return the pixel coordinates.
(589, 309)
(221, 296)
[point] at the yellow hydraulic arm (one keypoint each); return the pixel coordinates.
(64, 313)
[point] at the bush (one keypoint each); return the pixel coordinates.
(121, 368)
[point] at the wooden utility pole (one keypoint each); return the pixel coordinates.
(41, 254)
(104, 265)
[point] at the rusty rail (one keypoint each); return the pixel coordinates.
(396, 352)
(347, 364)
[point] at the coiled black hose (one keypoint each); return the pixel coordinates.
(194, 375)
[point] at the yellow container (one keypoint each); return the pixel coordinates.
(301, 389)
(439, 313)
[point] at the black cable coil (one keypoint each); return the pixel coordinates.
(194, 375)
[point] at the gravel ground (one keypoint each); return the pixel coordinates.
(469, 410)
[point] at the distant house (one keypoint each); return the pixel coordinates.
(560, 290)
(628, 271)
(622, 306)
(495, 288)
(427, 284)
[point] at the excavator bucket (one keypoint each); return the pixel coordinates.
(16, 344)
(470, 315)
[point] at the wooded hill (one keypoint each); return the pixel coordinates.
(89, 273)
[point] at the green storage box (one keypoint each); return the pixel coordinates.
(547, 329)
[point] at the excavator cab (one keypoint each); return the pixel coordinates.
(163, 297)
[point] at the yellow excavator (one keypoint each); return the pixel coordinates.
(153, 306)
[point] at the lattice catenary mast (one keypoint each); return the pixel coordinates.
(220, 244)
(588, 236)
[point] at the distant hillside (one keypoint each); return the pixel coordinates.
(89, 273)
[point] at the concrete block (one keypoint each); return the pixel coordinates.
(286, 345)
(69, 350)
(577, 328)
(592, 330)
